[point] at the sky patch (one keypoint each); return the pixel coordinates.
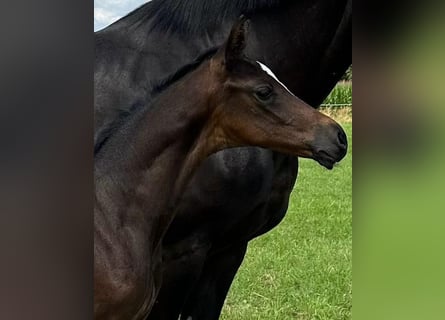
(108, 11)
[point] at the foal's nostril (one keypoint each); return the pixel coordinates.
(342, 138)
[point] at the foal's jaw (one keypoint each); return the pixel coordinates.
(325, 160)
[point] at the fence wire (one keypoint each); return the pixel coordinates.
(336, 105)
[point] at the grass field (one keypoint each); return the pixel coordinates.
(302, 269)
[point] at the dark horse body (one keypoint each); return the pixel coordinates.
(236, 194)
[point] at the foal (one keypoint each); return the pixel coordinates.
(140, 172)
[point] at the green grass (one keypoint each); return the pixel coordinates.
(341, 94)
(302, 269)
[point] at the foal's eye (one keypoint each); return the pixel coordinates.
(264, 93)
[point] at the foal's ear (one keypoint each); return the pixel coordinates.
(237, 40)
(236, 43)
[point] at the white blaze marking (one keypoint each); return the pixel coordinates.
(270, 73)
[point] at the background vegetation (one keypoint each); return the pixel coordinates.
(341, 95)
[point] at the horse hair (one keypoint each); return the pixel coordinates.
(192, 17)
(182, 71)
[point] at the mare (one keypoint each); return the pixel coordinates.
(236, 194)
(222, 101)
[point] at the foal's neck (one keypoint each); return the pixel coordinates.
(146, 164)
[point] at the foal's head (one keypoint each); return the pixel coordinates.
(254, 108)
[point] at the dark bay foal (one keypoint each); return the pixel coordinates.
(141, 171)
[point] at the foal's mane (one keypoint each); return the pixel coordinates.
(193, 16)
(182, 71)
(157, 89)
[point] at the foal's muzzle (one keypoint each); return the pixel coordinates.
(330, 145)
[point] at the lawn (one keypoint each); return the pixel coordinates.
(302, 270)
